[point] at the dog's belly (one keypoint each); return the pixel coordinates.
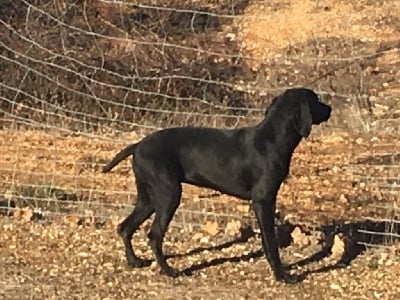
(229, 185)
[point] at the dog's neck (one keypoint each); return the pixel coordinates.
(279, 131)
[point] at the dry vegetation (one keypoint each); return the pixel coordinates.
(59, 241)
(61, 261)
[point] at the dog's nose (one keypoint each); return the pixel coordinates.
(329, 111)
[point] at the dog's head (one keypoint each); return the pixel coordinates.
(305, 109)
(310, 110)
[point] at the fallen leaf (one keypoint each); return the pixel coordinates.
(72, 220)
(27, 214)
(17, 213)
(113, 221)
(384, 258)
(359, 141)
(299, 238)
(343, 199)
(210, 227)
(233, 227)
(333, 139)
(24, 214)
(245, 208)
(204, 240)
(197, 236)
(338, 246)
(289, 217)
(89, 219)
(8, 195)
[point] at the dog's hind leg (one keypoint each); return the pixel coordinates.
(167, 198)
(142, 211)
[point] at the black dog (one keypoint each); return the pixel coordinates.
(249, 163)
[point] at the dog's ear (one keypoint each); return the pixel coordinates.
(303, 121)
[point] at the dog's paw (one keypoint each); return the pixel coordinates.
(139, 263)
(289, 278)
(188, 272)
(171, 272)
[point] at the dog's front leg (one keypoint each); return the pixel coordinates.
(264, 207)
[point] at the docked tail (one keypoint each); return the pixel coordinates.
(130, 150)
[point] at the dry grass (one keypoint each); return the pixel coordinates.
(279, 24)
(61, 261)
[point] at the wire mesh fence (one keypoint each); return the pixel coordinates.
(80, 79)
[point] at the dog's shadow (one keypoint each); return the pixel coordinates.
(353, 235)
(245, 235)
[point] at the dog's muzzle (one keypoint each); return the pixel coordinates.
(322, 114)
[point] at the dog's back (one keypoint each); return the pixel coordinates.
(195, 155)
(169, 143)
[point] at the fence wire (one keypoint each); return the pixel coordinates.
(80, 81)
